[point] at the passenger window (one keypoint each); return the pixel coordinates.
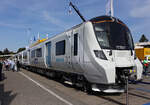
(20, 57)
(24, 55)
(76, 44)
(60, 48)
(32, 53)
(39, 52)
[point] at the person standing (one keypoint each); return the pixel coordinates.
(13, 65)
(18, 65)
(9, 64)
(6, 65)
(145, 65)
(1, 66)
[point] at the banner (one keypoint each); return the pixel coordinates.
(109, 8)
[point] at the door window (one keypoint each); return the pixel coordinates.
(76, 44)
(48, 54)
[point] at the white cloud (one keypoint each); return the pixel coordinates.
(141, 10)
(140, 13)
(10, 25)
(54, 20)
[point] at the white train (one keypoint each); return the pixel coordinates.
(94, 55)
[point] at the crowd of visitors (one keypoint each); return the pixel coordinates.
(8, 65)
(11, 65)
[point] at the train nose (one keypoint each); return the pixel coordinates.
(123, 59)
(124, 62)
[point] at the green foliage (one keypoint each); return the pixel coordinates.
(1, 53)
(143, 39)
(6, 51)
(21, 49)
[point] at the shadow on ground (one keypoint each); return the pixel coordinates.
(6, 97)
(108, 97)
(105, 96)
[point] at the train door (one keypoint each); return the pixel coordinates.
(48, 54)
(76, 49)
(69, 50)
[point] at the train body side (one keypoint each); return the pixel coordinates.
(77, 51)
(59, 53)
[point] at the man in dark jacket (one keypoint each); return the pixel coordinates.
(1, 66)
(18, 65)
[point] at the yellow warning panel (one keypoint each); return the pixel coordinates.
(38, 42)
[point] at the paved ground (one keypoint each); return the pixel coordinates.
(27, 88)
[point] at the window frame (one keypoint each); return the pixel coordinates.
(75, 52)
(24, 55)
(60, 48)
(33, 54)
(20, 56)
(38, 52)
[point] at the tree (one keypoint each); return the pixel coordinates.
(11, 52)
(21, 49)
(143, 39)
(6, 51)
(1, 53)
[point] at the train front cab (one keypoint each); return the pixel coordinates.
(110, 55)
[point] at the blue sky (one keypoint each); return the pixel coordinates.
(52, 16)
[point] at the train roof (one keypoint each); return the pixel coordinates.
(95, 19)
(105, 17)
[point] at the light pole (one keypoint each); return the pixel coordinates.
(29, 35)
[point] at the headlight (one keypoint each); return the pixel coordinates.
(100, 54)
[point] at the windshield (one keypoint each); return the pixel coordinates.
(113, 35)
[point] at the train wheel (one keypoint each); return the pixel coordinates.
(87, 87)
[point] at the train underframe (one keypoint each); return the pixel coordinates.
(80, 82)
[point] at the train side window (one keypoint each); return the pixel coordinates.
(32, 53)
(76, 44)
(20, 57)
(39, 52)
(60, 48)
(25, 55)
